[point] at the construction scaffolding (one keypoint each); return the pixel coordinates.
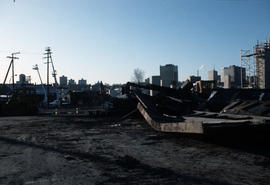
(262, 52)
(248, 61)
(257, 64)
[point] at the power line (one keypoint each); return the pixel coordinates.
(22, 52)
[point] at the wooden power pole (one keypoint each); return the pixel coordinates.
(47, 56)
(12, 57)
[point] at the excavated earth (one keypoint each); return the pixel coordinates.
(81, 150)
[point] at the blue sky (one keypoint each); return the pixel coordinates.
(107, 39)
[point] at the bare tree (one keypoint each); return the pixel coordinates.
(138, 75)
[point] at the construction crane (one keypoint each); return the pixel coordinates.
(35, 67)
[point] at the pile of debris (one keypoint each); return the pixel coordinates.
(202, 110)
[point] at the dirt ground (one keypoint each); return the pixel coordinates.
(79, 150)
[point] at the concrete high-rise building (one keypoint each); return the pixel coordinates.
(82, 82)
(168, 75)
(223, 73)
(234, 73)
(213, 75)
(63, 80)
(262, 51)
(227, 82)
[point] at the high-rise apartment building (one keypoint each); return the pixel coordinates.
(82, 82)
(71, 82)
(63, 80)
(234, 79)
(213, 75)
(168, 75)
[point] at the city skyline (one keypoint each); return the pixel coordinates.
(106, 40)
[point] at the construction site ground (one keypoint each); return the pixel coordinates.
(81, 150)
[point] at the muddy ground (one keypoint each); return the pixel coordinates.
(80, 150)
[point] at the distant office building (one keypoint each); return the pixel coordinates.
(213, 75)
(71, 82)
(227, 82)
(82, 82)
(263, 64)
(155, 80)
(168, 75)
(222, 74)
(63, 80)
(194, 79)
(234, 79)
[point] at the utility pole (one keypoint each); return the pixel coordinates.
(47, 56)
(55, 79)
(12, 57)
(54, 73)
(35, 67)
